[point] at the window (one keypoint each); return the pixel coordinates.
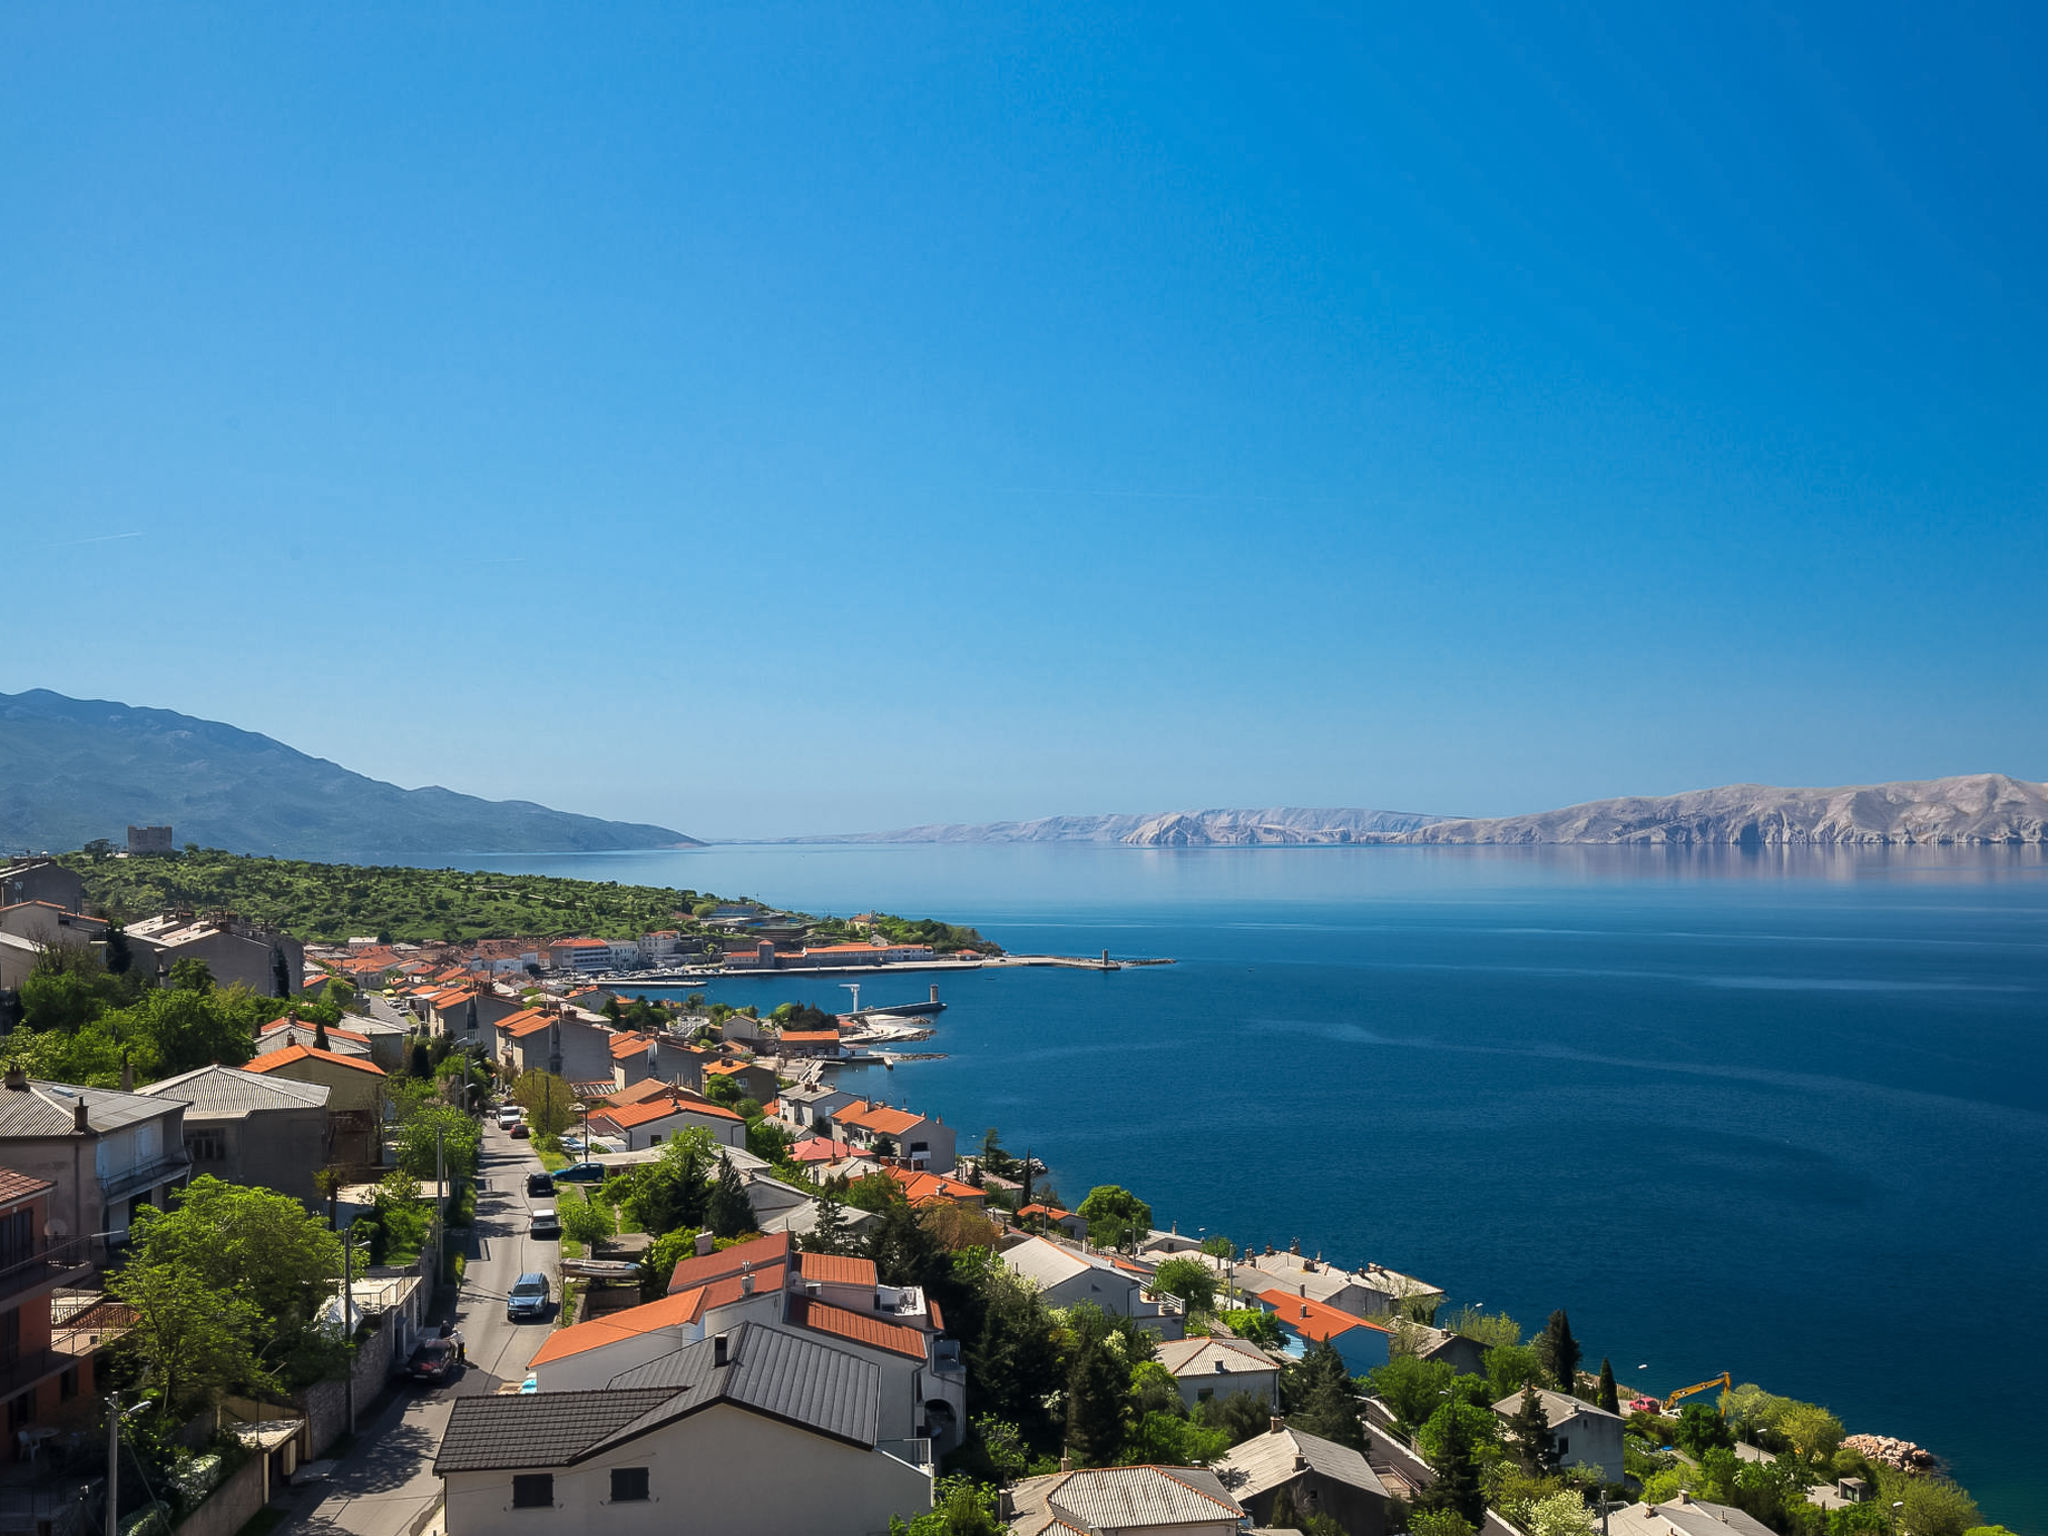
(534, 1490)
(629, 1484)
(10, 1336)
(20, 1410)
(1564, 1445)
(67, 1385)
(17, 1237)
(209, 1146)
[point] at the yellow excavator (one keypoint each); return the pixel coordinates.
(1724, 1381)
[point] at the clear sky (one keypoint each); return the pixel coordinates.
(769, 419)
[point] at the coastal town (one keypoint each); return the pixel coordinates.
(359, 1233)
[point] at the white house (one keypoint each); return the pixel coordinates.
(756, 1430)
(1066, 1278)
(1586, 1435)
(1219, 1367)
(654, 1121)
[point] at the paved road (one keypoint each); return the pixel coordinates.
(386, 1482)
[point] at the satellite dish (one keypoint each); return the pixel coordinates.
(56, 1226)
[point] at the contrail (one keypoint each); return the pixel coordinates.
(104, 538)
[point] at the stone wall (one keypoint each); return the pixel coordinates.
(233, 1504)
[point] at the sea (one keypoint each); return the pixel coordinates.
(1782, 1113)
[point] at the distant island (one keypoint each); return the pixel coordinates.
(1978, 808)
(76, 770)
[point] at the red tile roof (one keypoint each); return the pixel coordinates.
(879, 1118)
(920, 1185)
(647, 1111)
(579, 944)
(818, 1150)
(629, 1045)
(615, 1327)
(1313, 1320)
(16, 1187)
(292, 1053)
(333, 1029)
(859, 1327)
(836, 1269)
(726, 1263)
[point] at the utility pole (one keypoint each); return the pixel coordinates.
(112, 1525)
(348, 1321)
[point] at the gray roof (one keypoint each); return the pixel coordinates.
(780, 1375)
(539, 1429)
(1691, 1517)
(1213, 1356)
(1266, 1461)
(49, 1109)
(1557, 1408)
(302, 1033)
(1102, 1498)
(218, 1091)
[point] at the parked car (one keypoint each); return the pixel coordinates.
(580, 1173)
(528, 1298)
(539, 1184)
(508, 1116)
(520, 1130)
(545, 1222)
(433, 1362)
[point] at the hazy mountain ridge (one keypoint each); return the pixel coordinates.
(1975, 808)
(75, 769)
(1281, 825)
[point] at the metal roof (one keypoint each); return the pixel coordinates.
(1110, 1498)
(1264, 1462)
(780, 1375)
(539, 1429)
(49, 1109)
(217, 1090)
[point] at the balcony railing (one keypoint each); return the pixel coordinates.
(59, 1264)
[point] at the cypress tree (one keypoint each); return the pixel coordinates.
(120, 958)
(1096, 1383)
(1531, 1428)
(1610, 1397)
(1560, 1352)
(731, 1213)
(1283, 1517)
(1457, 1486)
(828, 1233)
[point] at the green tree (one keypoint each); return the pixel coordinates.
(1412, 1389)
(461, 1142)
(1560, 1352)
(1190, 1279)
(904, 1250)
(190, 975)
(675, 1192)
(1097, 1380)
(1320, 1398)
(828, 1233)
(730, 1213)
(1493, 1330)
(1455, 1442)
(960, 1507)
(585, 1222)
(1511, 1367)
(1814, 1433)
(120, 954)
(1935, 1506)
(194, 1342)
(1530, 1429)
(1561, 1514)
(1116, 1218)
(1609, 1396)
(1438, 1522)
(1238, 1416)
(1260, 1328)
(1016, 1360)
(550, 1106)
(1700, 1430)
(1219, 1247)
(768, 1141)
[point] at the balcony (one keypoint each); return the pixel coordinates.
(64, 1263)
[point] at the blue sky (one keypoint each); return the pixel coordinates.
(774, 419)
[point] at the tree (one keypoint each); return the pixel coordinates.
(674, 1192)
(1561, 1514)
(1219, 1247)
(1609, 1395)
(1190, 1279)
(960, 1507)
(461, 1142)
(1490, 1329)
(1700, 1430)
(730, 1213)
(1530, 1427)
(1511, 1367)
(550, 1106)
(1097, 1380)
(191, 975)
(1438, 1522)
(1320, 1398)
(1560, 1352)
(1284, 1516)
(1412, 1389)
(1016, 1360)
(120, 955)
(959, 1226)
(1257, 1327)
(194, 1342)
(1115, 1216)
(1238, 1416)
(1452, 1441)
(768, 1141)
(585, 1222)
(828, 1232)
(1815, 1433)
(904, 1250)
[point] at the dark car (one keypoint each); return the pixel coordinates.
(580, 1173)
(433, 1362)
(521, 1131)
(528, 1298)
(539, 1184)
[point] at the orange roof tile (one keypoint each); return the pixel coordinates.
(859, 1327)
(333, 1029)
(919, 1185)
(615, 1327)
(1313, 1320)
(625, 1116)
(879, 1118)
(629, 1045)
(836, 1269)
(16, 1187)
(727, 1262)
(809, 1036)
(292, 1053)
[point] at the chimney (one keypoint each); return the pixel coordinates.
(1684, 1497)
(747, 1279)
(720, 1351)
(1295, 1247)
(17, 1077)
(704, 1244)
(1300, 1462)
(1066, 1463)
(79, 1122)
(1278, 1424)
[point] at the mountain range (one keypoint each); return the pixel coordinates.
(72, 770)
(1971, 808)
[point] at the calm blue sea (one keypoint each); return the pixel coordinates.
(1780, 1114)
